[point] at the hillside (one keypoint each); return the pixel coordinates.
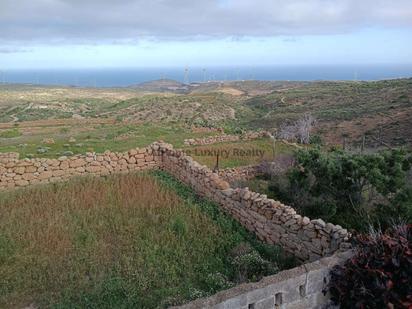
(343, 109)
(161, 85)
(99, 118)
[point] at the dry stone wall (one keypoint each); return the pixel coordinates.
(8, 156)
(270, 220)
(20, 173)
(241, 173)
(225, 138)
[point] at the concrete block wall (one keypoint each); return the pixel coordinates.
(298, 288)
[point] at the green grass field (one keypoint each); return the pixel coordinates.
(96, 138)
(131, 241)
(239, 153)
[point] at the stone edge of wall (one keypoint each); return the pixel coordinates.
(208, 140)
(16, 173)
(270, 220)
(299, 287)
(8, 156)
(241, 173)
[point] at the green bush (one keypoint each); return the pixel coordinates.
(10, 133)
(217, 282)
(399, 209)
(251, 266)
(316, 139)
(353, 190)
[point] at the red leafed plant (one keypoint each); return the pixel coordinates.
(379, 275)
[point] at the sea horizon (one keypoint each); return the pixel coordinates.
(124, 77)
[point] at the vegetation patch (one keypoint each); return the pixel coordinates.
(10, 133)
(379, 274)
(130, 241)
(353, 190)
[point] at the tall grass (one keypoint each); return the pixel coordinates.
(130, 241)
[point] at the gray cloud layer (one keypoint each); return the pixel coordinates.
(91, 20)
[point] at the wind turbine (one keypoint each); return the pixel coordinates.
(3, 76)
(204, 74)
(186, 77)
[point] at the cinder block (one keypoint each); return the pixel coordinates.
(268, 303)
(236, 302)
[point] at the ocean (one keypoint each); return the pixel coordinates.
(126, 77)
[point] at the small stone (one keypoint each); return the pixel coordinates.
(305, 221)
(48, 141)
(319, 222)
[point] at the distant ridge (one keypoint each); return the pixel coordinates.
(161, 85)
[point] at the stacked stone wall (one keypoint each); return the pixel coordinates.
(21, 173)
(6, 157)
(241, 173)
(225, 138)
(270, 220)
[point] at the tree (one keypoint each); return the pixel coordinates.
(304, 127)
(299, 130)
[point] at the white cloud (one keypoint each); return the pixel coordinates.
(107, 20)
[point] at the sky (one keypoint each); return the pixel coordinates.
(48, 34)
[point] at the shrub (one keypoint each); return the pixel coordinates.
(316, 140)
(238, 131)
(379, 274)
(10, 133)
(42, 150)
(349, 189)
(399, 208)
(249, 264)
(217, 282)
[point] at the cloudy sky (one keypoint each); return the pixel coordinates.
(155, 33)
